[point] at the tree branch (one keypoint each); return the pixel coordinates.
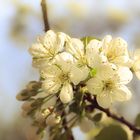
(95, 105)
(45, 15)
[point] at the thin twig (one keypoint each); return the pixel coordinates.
(45, 15)
(64, 123)
(95, 105)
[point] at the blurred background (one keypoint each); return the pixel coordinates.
(21, 22)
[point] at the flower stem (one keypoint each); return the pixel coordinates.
(45, 15)
(64, 123)
(121, 119)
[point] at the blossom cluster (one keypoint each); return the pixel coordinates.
(104, 66)
(71, 68)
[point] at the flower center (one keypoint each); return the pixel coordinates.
(64, 77)
(111, 56)
(108, 85)
(82, 61)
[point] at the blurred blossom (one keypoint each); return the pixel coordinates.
(21, 29)
(116, 18)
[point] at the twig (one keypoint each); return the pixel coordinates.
(45, 15)
(120, 119)
(64, 123)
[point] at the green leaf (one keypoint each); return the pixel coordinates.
(137, 121)
(97, 117)
(93, 72)
(112, 132)
(87, 39)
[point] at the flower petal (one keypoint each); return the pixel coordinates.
(121, 94)
(104, 99)
(106, 41)
(38, 50)
(52, 42)
(78, 74)
(50, 72)
(125, 75)
(94, 86)
(66, 94)
(92, 53)
(75, 47)
(64, 60)
(106, 71)
(122, 60)
(51, 85)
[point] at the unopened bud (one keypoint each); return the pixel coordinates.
(23, 95)
(27, 106)
(46, 112)
(53, 119)
(33, 85)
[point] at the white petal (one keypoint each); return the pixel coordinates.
(38, 50)
(62, 38)
(94, 86)
(125, 75)
(106, 41)
(104, 99)
(51, 85)
(64, 57)
(92, 52)
(50, 71)
(66, 94)
(49, 39)
(64, 60)
(54, 42)
(116, 51)
(106, 71)
(122, 60)
(120, 45)
(75, 47)
(78, 74)
(121, 94)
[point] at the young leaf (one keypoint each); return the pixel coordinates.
(87, 39)
(137, 121)
(112, 132)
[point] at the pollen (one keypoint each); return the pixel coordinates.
(108, 85)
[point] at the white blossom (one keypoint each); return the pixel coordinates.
(47, 47)
(87, 57)
(109, 85)
(115, 50)
(61, 75)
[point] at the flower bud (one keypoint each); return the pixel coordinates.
(23, 95)
(46, 112)
(53, 119)
(33, 85)
(26, 106)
